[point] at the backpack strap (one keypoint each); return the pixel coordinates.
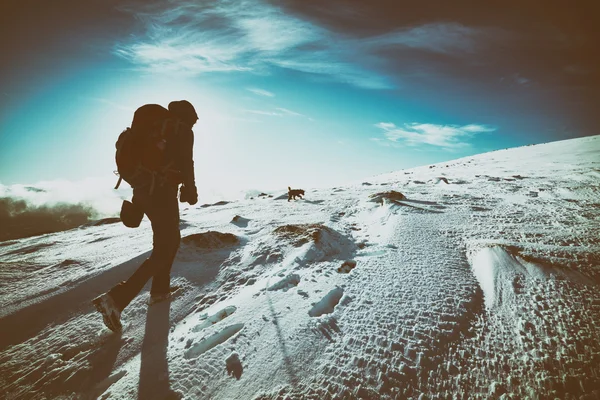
(152, 184)
(164, 126)
(176, 122)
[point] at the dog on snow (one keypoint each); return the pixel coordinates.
(293, 193)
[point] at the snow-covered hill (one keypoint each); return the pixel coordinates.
(481, 281)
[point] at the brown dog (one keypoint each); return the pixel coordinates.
(293, 193)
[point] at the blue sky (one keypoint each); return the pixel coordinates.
(289, 93)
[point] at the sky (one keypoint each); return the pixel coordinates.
(293, 93)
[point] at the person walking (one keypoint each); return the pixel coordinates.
(156, 197)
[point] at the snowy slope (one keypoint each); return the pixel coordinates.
(482, 282)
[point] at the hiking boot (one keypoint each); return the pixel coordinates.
(157, 298)
(110, 313)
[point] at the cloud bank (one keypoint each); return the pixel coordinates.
(445, 136)
(28, 210)
(19, 219)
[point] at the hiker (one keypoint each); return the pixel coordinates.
(155, 195)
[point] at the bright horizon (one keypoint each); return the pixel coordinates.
(291, 94)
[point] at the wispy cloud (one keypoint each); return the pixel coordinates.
(285, 111)
(445, 136)
(262, 112)
(191, 37)
(279, 112)
(261, 92)
(436, 37)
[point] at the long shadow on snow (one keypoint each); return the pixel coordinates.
(57, 309)
(97, 377)
(85, 383)
(287, 362)
(154, 368)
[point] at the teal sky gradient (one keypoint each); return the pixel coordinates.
(310, 108)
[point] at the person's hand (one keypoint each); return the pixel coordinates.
(188, 194)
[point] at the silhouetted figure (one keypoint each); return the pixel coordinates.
(164, 162)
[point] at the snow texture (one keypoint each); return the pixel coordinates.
(470, 279)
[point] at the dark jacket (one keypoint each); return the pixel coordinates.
(184, 155)
(150, 118)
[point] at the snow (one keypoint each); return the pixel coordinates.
(473, 278)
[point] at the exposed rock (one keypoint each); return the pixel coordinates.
(327, 243)
(218, 203)
(301, 233)
(104, 221)
(211, 240)
(234, 366)
(390, 195)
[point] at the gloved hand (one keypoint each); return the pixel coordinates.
(188, 194)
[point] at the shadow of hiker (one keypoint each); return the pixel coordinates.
(86, 375)
(154, 368)
(59, 308)
(287, 362)
(101, 364)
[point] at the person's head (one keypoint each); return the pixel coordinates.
(185, 111)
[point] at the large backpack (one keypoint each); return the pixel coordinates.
(144, 151)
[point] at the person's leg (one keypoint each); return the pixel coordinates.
(163, 211)
(169, 239)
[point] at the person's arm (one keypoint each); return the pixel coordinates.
(186, 164)
(187, 158)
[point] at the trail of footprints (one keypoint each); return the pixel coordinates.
(394, 341)
(320, 310)
(325, 306)
(394, 365)
(196, 349)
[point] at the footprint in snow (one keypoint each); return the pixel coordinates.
(327, 327)
(286, 283)
(213, 341)
(213, 319)
(327, 303)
